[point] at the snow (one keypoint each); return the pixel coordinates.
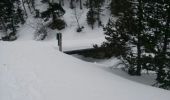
(32, 70)
(36, 70)
(115, 66)
(72, 40)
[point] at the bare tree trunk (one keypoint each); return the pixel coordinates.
(98, 16)
(76, 16)
(24, 8)
(29, 7)
(71, 4)
(3, 26)
(61, 2)
(138, 71)
(81, 7)
(33, 4)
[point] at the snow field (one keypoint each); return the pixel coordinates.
(38, 71)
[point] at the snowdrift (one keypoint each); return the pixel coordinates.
(38, 71)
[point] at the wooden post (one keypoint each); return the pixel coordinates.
(59, 38)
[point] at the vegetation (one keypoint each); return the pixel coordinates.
(141, 34)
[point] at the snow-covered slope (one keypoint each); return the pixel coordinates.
(38, 71)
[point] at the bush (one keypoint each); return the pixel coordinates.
(41, 34)
(79, 29)
(58, 24)
(10, 37)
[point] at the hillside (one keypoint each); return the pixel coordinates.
(38, 71)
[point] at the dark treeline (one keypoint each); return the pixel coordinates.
(141, 37)
(11, 15)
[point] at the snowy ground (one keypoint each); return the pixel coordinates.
(38, 71)
(114, 66)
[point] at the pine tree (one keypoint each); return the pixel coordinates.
(61, 2)
(20, 13)
(117, 39)
(55, 10)
(135, 28)
(131, 28)
(119, 6)
(156, 43)
(11, 16)
(166, 47)
(3, 13)
(91, 19)
(98, 8)
(94, 12)
(159, 24)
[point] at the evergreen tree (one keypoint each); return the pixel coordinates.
(98, 8)
(159, 25)
(20, 13)
(54, 9)
(61, 2)
(117, 39)
(91, 18)
(11, 16)
(119, 6)
(131, 27)
(3, 15)
(94, 12)
(146, 26)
